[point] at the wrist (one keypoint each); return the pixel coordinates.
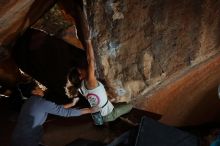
(88, 40)
(85, 111)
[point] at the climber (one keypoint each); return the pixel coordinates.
(83, 78)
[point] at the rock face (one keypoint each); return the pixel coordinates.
(16, 16)
(17, 51)
(150, 51)
(140, 44)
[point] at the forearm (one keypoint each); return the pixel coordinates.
(85, 111)
(91, 78)
(68, 105)
(90, 52)
(73, 103)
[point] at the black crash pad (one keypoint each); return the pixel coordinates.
(153, 133)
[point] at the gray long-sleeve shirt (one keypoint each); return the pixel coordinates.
(28, 130)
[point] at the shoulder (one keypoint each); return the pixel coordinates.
(41, 101)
